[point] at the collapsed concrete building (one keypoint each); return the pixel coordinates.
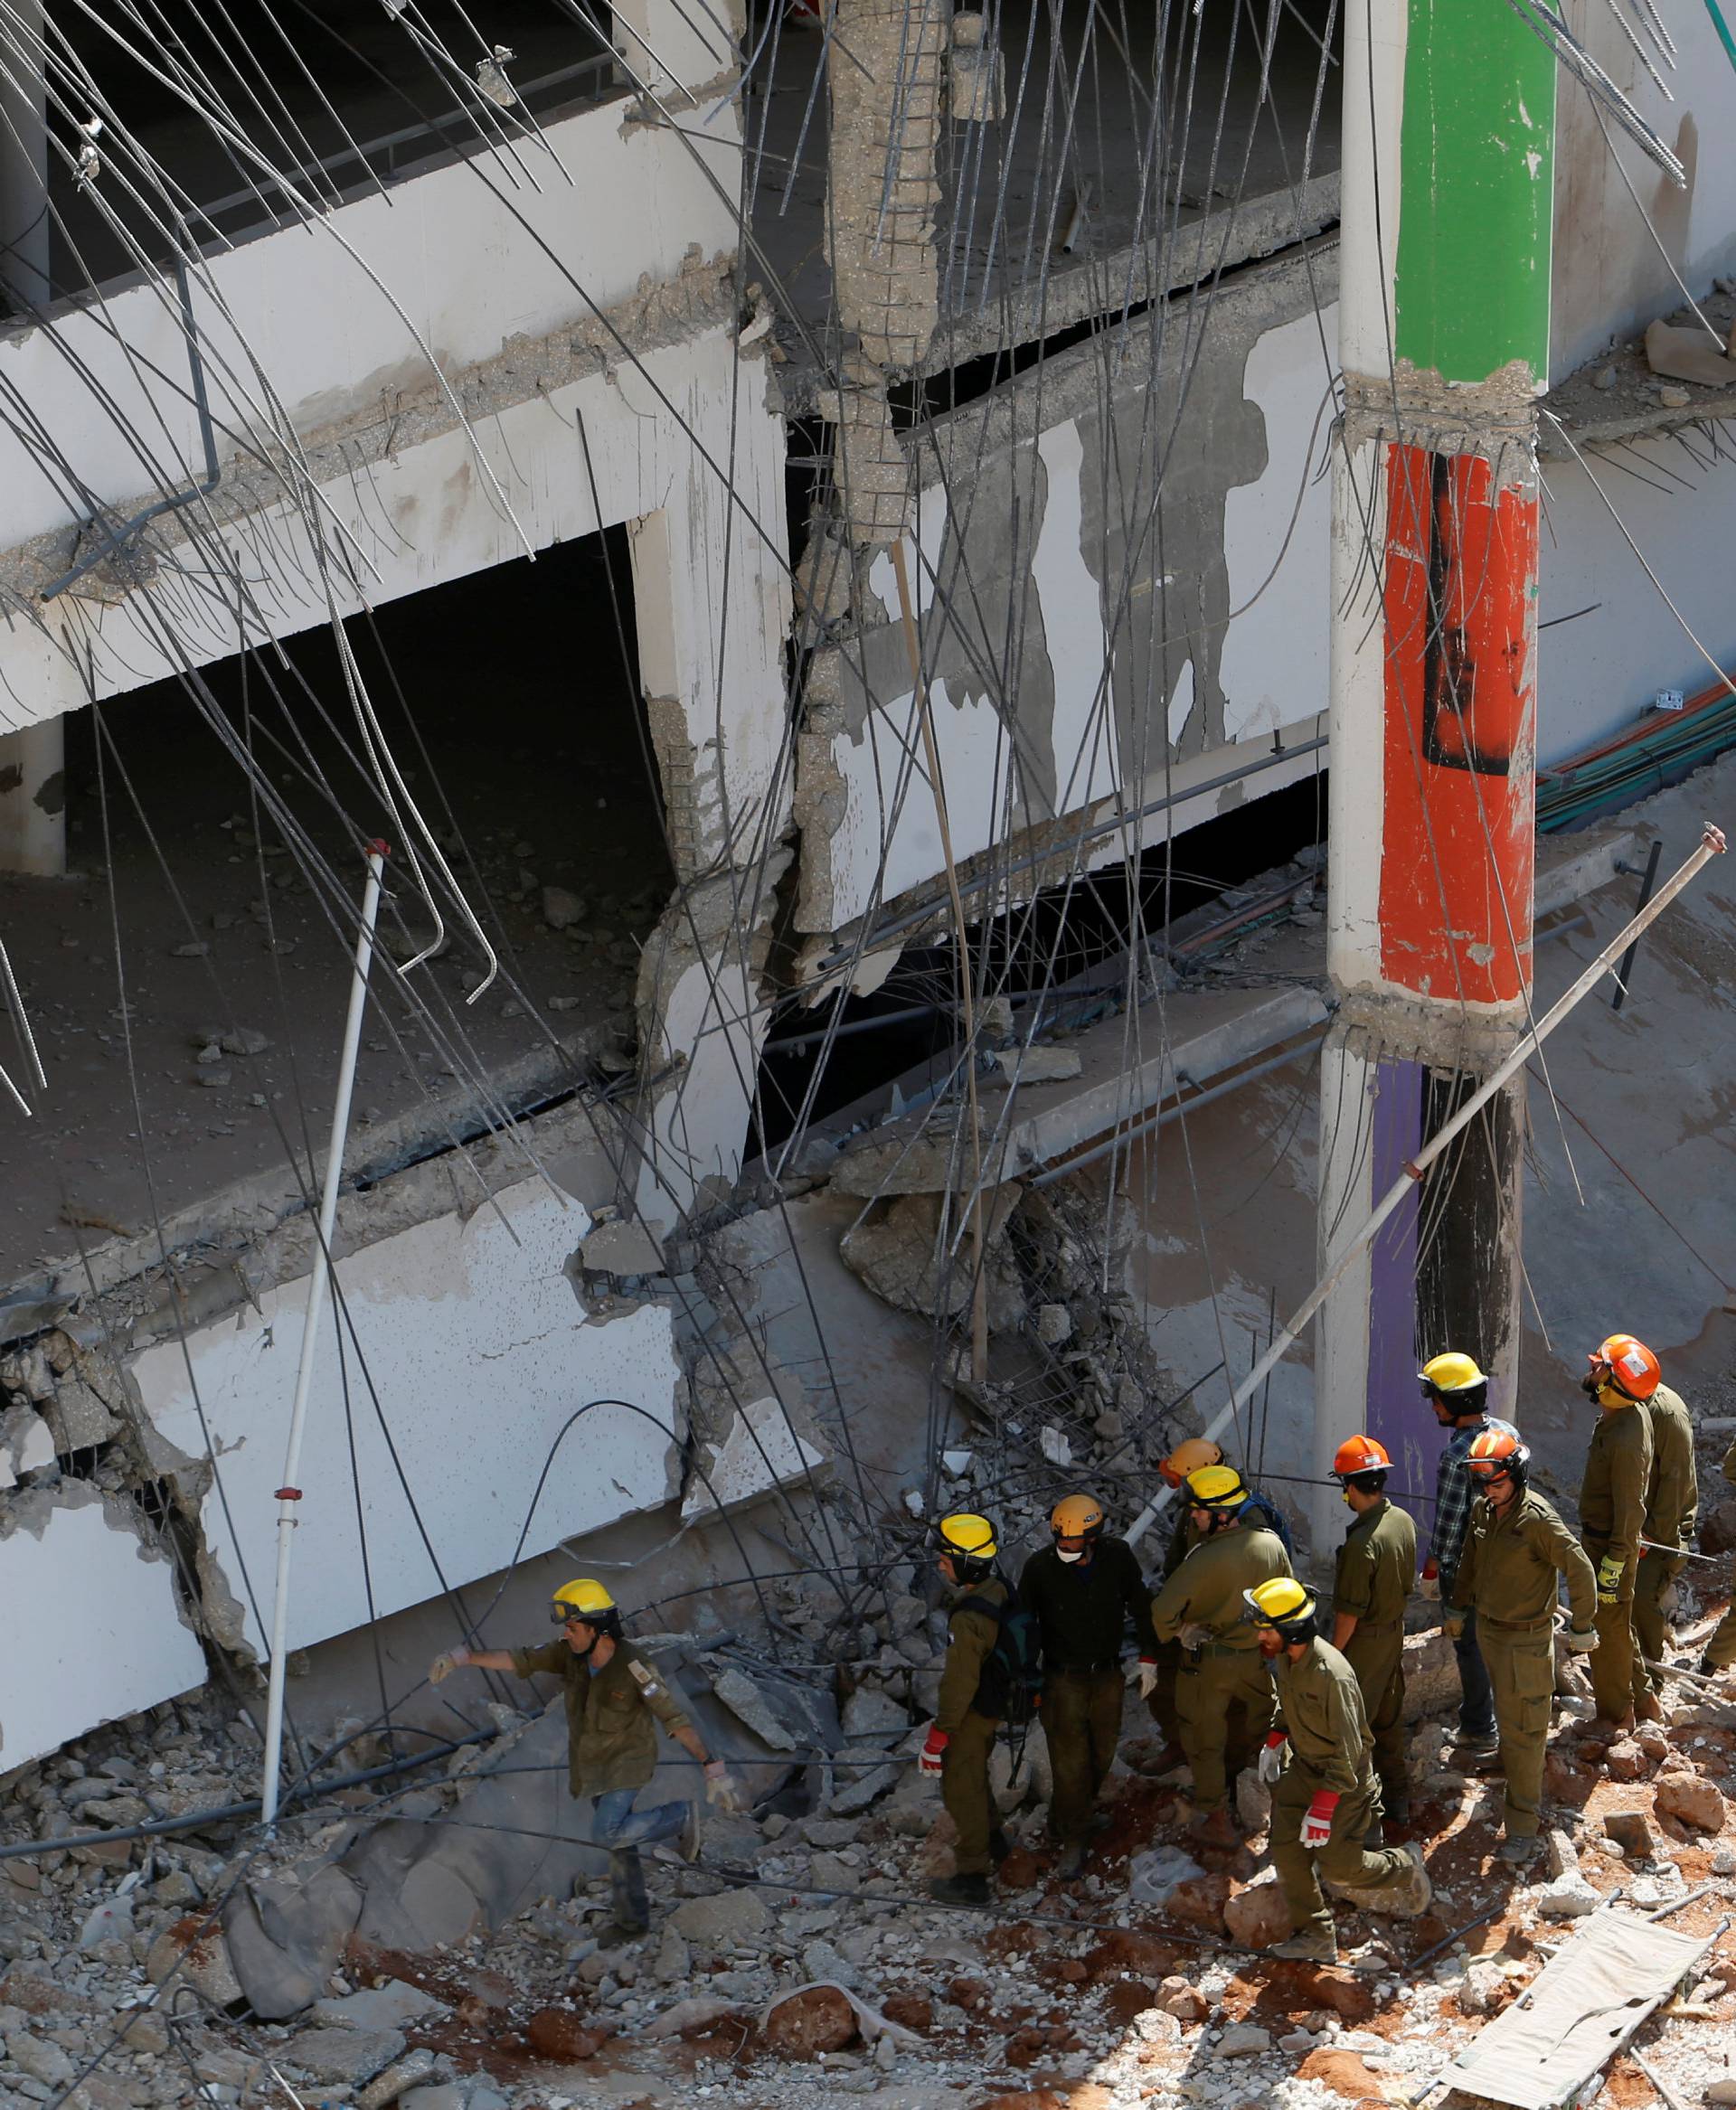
(736, 514)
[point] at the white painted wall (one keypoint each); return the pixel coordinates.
(1609, 278)
(92, 1630)
(1597, 674)
(479, 1350)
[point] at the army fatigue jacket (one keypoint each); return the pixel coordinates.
(1728, 1468)
(971, 1633)
(1673, 1492)
(1377, 1566)
(1320, 1710)
(610, 1742)
(1612, 1495)
(1206, 1588)
(1511, 1559)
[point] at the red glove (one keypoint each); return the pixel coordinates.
(1317, 1826)
(1430, 1569)
(933, 1750)
(1274, 1738)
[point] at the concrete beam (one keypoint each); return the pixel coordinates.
(1573, 878)
(1205, 1035)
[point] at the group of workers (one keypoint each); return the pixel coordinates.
(1234, 1661)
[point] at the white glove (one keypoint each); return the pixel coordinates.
(720, 1790)
(443, 1666)
(1145, 1675)
(1582, 1640)
(1271, 1762)
(1428, 1586)
(1195, 1635)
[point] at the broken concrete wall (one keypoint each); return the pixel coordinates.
(1088, 626)
(93, 1628)
(472, 1349)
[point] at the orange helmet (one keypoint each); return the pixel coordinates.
(1077, 1516)
(1632, 1367)
(1359, 1454)
(1187, 1457)
(1496, 1454)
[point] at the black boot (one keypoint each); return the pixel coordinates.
(999, 1846)
(959, 1890)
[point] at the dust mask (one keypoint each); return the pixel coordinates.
(1062, 1554)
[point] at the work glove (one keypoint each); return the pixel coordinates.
(443, 1666)
(1195, 1635)
(1428, 1581)
(1317, 1826)
(1582, 1640)
(720, 1790)
(1144, 1673)
(1452, 1624)
(1272, 1757)
(1609, 1579)
(934, 1751)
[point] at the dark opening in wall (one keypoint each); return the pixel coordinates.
(1066, 932)
(189, 990)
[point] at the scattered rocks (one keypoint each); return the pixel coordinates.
(1201, 1903)
(817, 2020)
(1346, 2073)
(561, 908)
(557, 2033)
(1625, 1760)
(1243, 2041)
(194, 1952)
(1693, 1799)
(1186, 2002)
(42, 2061)
(1567, 1898)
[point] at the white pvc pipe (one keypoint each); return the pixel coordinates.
(1712, 843)
(289, 1494)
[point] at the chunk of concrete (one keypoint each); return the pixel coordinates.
(762, 1452)
(284, 1935)
(348, 2056)
(745, 1700)
(1686, 354)
(77, 1417)
(622, 1248)
(379, 2007)
(1038, 1065)
(712, 1923)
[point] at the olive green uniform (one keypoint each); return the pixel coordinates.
(1672, 1511)
(1320, 1710)
(1223, 1694)
(1377, 1567)
(612, 1744)
(1613, 1522)
(1182, 1540)
(970, 1736)
(1721, 1650)
(1080, 1608)
(1507, 1574)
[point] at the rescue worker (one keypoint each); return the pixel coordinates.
(1376, 1569)
(1721, 1650)
(1224, 1695)
(1612, 1522)
(961, 1736)
(1158, 1680)
(1458, 1393)
(1324, 1795)
(613, 1695)
(1081, 1591)
(1672, 1511)
(1515, 1547)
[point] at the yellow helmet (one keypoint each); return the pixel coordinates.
(585, 1599)
(969, 1543)
(1188, 1457)
(1452, 1373)
(1077, 1516)
(1283, 1603)
(1216, 1487)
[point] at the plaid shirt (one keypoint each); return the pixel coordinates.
(1454, 1495)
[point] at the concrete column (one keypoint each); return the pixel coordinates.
(33, 799)
(1444, 340)
(24, 161)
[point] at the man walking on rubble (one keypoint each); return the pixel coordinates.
(611, 1696)
(961, 1736)
(1224, 1696)
(1081, 1591)
(1376, 1567)
(1324, 1797)
(1612, 1522)
(1458, 1393)
(1672, 1511)
(1158, 1680)
(1515, 1547)
(1720, 1649)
